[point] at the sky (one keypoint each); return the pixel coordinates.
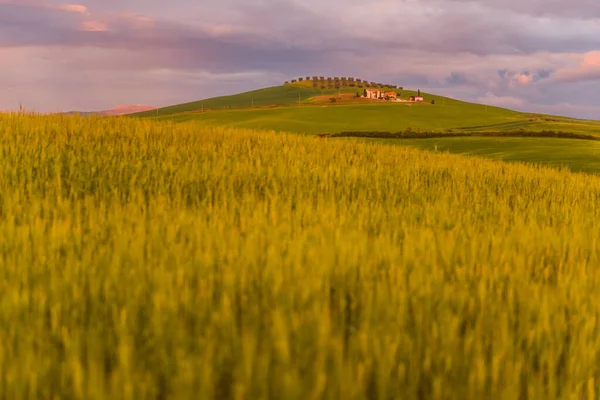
(531, 55)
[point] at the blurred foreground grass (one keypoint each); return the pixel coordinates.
(162, 261)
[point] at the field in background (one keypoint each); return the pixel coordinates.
(335, 118)
(576, 155)
(158, 260)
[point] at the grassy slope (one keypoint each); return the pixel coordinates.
(277, 109)
(576, 155)
(369, 117)
(146, 260)
(274, 96)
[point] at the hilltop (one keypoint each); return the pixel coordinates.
(291, 93)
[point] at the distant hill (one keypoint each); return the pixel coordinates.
(119, 110)
(301, 107)
(296, 93)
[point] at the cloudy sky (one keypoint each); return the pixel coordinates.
(533, 55)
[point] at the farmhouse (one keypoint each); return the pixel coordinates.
(373, 94)
(379, 94)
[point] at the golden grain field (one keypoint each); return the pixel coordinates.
(147, 260)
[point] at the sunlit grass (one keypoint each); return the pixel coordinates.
(159, 260)
(576, 155)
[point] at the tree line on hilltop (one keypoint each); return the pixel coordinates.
(341, 82)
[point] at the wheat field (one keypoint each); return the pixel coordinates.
(149, 260)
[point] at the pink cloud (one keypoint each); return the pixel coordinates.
(134, 21)
(521, 79)
(85, 20)
(501, 101)
(76, 8)
(93, 26)
(516, 79)
(587, 70)
(592, 59)
(222, 30)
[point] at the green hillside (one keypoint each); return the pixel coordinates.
(300, 108)
(268, 97)
(364, 117)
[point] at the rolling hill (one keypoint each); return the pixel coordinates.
(299, 108)
(286, 95)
